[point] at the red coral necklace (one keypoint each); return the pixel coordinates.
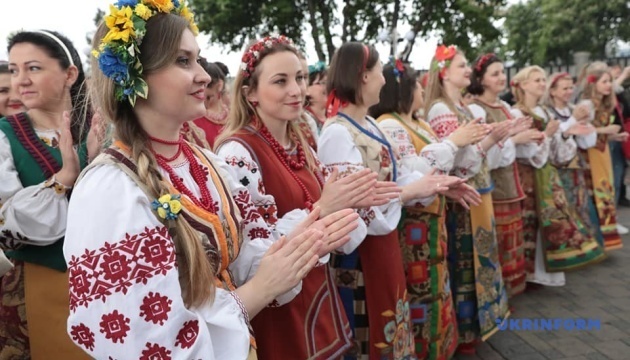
(197, 171)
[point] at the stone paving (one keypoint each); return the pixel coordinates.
(601, 291)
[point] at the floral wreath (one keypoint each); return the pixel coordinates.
(484, 59)
(442, 59)
(317, 67)
(398, 66)
(252, 54)
(591, 79)
(118, 53)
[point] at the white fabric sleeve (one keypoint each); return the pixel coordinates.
(33, 215)
(257, 235)
(125, 296)
(468, 159)
(534, 154)
(336, 148)
(561, 151)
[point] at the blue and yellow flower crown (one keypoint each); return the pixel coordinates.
(118, 53)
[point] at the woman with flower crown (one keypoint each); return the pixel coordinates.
(371, 279)
(163, 244)
(42, 151)
(476, 279)
(599, 98)
(423, 232)
(488, 80)
(555, 237)
(271, 157)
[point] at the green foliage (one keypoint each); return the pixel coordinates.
(466, 23)
(547, 31)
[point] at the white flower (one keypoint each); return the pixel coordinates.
(256, 54)
(131, 50)
(268, 43)
(442, 64)
(243, 66)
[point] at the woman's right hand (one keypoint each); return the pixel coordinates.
(528, 136)
(71, 168)
(287, 262)
(429, 185)
(336, 228)
(343, 193)
(469, 133)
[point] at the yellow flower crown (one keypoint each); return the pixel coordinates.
(118, 53)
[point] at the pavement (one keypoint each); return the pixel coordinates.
(600, 292)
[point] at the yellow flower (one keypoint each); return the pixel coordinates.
(143, 11)
(194, 28)
(95, 53)
(161, 212)
(119, 24)
(165, 198)
(164, 6)
(186, 14)
(175, 205)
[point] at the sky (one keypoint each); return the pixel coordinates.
(37, 14)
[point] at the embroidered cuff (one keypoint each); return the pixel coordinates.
(481, 152)
(58, 187)
(241, 306)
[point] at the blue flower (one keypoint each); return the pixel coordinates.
(122, 3)
(176, 4)
(112, 66)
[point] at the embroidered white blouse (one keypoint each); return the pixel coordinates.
(438, 154)
(248, 171)
(33, 215)
(125, 297)
(558, 150)
(336, 148)
(583, 142)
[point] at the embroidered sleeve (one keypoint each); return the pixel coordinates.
(125, 297)
(561, 151)
(401, 141)
(336, 148)
(468, 159)
(534, 154)
(34, 215)
(259, 214)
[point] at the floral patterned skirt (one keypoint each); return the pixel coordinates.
(372, 287)
(509, 228)
(14, 344)
(476, 277)
(423, 243)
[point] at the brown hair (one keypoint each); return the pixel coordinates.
(242, 111)
(159, 49)
(521, 77)
(398, 93)
(344, 74)
(480, 68)
(607, 102)
(435, 88)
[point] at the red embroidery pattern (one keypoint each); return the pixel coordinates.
(248, 211)
(269, 213)
(260, 233)
(117, 266)
(444, 125)
(155, 352)
(155, 308)
(115, 326)
(241, 162)
(187, 336)
(83, 336)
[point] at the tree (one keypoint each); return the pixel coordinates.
(551, 31)
(466, 23)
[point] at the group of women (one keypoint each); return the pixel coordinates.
(322, 212)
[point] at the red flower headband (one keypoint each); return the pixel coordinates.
(484, 59)
(443, 56)
(591, 79)
(252, 55)
(558, 77)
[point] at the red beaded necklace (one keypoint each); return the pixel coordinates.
(197, 171)
(290, 164)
